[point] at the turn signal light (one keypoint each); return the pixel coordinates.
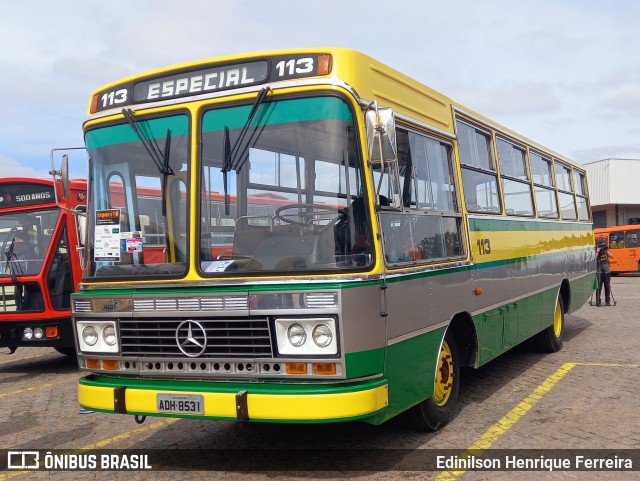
(93, 108)
(296, 368)
(51, 331)
(324, 64)
(93, 363)
(110, 364)
(324, 368)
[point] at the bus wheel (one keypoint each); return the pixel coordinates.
(550, 340)
(435, 412)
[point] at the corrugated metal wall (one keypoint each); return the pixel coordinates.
(614, 181)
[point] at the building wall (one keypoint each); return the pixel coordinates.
(614, 190)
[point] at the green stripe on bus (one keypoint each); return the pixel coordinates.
(321, 386)
(364, 363)
(273, 113)
(123, 133)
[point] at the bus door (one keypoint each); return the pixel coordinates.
(632, 247)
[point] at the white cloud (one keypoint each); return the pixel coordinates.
(527, 65)
(14, 168)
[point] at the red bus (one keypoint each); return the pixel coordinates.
(624, 244)
(39, 264)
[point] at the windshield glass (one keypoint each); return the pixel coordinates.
(24, 240)
(138, 202)
(294, 189)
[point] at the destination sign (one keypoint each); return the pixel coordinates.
(202, 81)
(211, 78)
(17, 195)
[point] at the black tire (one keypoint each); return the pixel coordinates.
(550, 340)
(67, 351)
(433, 413)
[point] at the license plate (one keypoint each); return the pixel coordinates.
(180, 403)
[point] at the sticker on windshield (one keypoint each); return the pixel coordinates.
(107, 235)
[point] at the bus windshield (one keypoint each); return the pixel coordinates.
(282, 190)
(138, 199)
(24, 240)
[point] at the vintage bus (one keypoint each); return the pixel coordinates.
(334, 240)
(40, 266)
(624, 244)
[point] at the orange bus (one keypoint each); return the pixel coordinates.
(624, 242)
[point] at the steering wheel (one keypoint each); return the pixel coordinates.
(305, 215)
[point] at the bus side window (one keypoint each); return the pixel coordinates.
(479, 179)
(632, 238)
(616, 240)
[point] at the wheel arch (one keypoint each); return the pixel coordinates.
(466, 336)
(565, 295)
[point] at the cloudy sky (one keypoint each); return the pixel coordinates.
(565, 73)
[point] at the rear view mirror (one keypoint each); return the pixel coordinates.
(383, 150)
(64, 176)
(381, 135)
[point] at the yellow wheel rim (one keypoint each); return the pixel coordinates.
(444, 376)
(557, 320)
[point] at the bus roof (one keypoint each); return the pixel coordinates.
(617, 228)
(370, 78)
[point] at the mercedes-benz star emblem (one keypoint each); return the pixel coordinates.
(191, 338)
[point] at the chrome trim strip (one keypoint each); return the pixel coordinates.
(417, 333)
(524, 296)
(222, 282)
(402, 271)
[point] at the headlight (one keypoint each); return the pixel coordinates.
(109, 335)
(293, 336)
(90, 335)
(27, 333)
(97, 336)
(38, 333)
(297, 335)
(322, 335)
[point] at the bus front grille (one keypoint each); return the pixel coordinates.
(231, 337)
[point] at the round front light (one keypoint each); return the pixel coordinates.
(90, 335)
(38, 333)
(297, 335)
(27, 333)
(109, 335)
(322, 335)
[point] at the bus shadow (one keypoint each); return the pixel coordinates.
(576, 325)
(48, 364)
(476, 385)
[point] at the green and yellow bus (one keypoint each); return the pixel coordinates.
(311, 236)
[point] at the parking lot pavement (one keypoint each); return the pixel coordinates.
(583, 397)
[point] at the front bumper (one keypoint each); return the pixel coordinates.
(11, 333)
(239, 401)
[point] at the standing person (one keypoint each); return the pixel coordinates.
(604, 274)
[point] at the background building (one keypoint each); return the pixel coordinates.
(614, 189)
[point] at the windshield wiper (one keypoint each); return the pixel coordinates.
(226, 147)
(233, 161)
(11, 265)
(160, 159)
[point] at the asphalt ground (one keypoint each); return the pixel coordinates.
(584, 397)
